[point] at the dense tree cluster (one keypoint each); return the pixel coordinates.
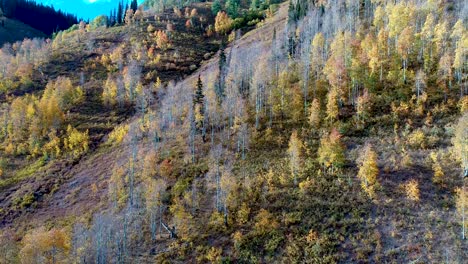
(123, 13)
(33, 123)
(37, 15)
(294, 149)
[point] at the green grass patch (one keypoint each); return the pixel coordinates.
(24, 173)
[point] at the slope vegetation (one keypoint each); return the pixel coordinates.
(15, 30)
(323, 132)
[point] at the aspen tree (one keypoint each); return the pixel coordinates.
(294, 153)
(411, 188)
(336, 66)
(109, 93)
(436, 168)
(154, 206)
(76, 142)
(318, 57)
(363, 106)
(461, 201)
(314, 114)
(162, 40)
(445, 73)
(420, 83)
(460, 145)
(222, 23)
(460, 141)
(368, 170)
(41, 246)
(332, 105)
(404, 46)
(331, 151)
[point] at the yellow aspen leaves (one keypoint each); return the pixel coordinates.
(368, 170)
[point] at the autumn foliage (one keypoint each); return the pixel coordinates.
(222, 22)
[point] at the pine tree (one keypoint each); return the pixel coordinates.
(119, 13)
(199, 105)
(219, 86)
(124, 11)
(216, 7)
(110, 19)
(199, 97)
(255, 4)
(134, 5)
(232, 8)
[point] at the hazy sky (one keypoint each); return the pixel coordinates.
(86, 9)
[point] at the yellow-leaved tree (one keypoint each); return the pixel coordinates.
(314, 114)
(42, 246)
(331, 151)
(460, 145)
(436, 168)
(109, 93)
(462, 206)
(154, 203)
(460, 141)
(294, 153)
(368, 170)
(332, 105)
(76, 142)
(222, 23)
(162, 40)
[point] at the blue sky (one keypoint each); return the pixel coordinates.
(86, 9)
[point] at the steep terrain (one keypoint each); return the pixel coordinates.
(15, 30)
(75, 60)
(318, 132)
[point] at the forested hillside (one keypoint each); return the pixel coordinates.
(43, 18)
(13, 30)
(239, 132)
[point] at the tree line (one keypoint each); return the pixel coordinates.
(39, 16)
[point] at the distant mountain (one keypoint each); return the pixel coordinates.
(39, 16)
(15, 30)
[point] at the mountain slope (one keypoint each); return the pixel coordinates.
(326, 134)
(15, 30)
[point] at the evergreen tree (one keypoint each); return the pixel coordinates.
(199, 106)
(134, 5)
(125, 11)
(44, 18)
(216, 7)
(199, 96)
(119, 13)
(110, 19)
(219, 86)
(232, 8)
(255, 4)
